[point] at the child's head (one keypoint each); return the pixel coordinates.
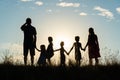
(42, 47)
(77, 38)
(62, 44)
(50, 39)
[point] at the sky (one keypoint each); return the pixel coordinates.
(61, 19)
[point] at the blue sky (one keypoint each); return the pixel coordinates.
(62, 19)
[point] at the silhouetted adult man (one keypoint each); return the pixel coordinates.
(29, 43)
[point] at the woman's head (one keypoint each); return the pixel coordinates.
(91, 30)
(50, 39)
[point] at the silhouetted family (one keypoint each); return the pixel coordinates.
(29, 44)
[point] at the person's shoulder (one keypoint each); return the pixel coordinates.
(95, 35)
(74, 43)
(32, 27)
(79, 43)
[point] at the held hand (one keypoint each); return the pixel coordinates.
(67, 53)
(83, 49)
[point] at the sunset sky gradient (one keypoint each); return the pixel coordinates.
(61, 19)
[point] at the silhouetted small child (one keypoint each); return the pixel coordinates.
(62, 55)
(42, 58)
(77, 46)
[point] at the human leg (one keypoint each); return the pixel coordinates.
(25, 53)
(90, 61)
(32, 60)
(79, 62)
(49, 61)
(96, 61)
(32, 53)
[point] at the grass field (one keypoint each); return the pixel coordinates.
(13, 72)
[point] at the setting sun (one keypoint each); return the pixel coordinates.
(66, 39)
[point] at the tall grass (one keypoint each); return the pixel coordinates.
(108, 57)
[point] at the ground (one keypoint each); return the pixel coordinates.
(13, 72)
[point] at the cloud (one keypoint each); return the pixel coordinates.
(49, 10)
(39, 3)
(83, 14)
(65, 4)
(26, 0)
(118, 9)
(60, 0)
(104, 12)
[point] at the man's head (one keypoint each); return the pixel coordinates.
(28, 21)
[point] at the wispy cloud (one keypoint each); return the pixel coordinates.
(49, 11)
(26, 0)
(65, 4)
(39, 3)
(104, 12)
(83, 14)
(118, 9)
(60, 0)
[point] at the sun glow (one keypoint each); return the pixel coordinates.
(66, 39)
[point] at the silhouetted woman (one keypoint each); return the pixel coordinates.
(93, 47)
(50, 51)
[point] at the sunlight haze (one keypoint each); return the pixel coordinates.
(63, 20)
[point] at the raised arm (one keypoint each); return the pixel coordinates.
(23, 26)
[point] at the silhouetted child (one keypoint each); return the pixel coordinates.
(77, 46)
(42, 58)
(50, 51)
(62, 55)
